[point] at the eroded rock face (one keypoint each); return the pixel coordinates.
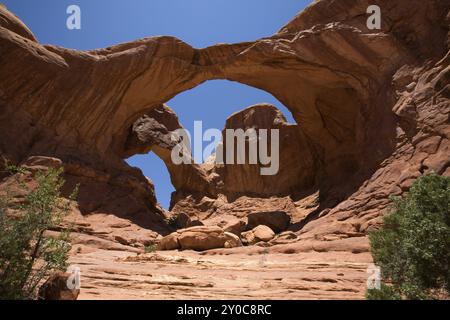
(297, 166)
(153, 132)
(371, 106)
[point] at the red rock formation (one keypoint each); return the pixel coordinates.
(372, 109)
(55, 288)
(199, 238)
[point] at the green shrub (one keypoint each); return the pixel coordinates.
(412, 248)
(385, 292)
(150, 248)
(27, 256)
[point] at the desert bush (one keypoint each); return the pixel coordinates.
(27, 255)
(386, 292)
(150, 248)
(412, 247)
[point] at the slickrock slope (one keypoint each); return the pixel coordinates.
(372, 111)
(238, 275)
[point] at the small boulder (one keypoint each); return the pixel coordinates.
(169, 242)
(182, 220)
(263, 233)
(258, 234)
(195, 223)
(235, 226)
(284, 238)
(248, 238)
(55, 288)
(233, 241)
(185, 221)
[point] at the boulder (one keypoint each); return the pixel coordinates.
(184, 221)
(55, 288)
(284, 237)
(263, 233)
(195, 223)
(248, 238)
(278, 221)
(202, 238)
(199, 238)
(235, 226)
(260, 233)
(169, 242)
(233, 240)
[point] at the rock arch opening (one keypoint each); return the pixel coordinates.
(322, 152)
(331, 105)
(208, 106)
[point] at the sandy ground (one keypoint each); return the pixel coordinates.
(108, 274)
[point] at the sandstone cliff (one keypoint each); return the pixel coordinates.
(372, 111)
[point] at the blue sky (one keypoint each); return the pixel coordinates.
(200, 23)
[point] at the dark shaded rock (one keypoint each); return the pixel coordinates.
(278, 221)
(55, 288)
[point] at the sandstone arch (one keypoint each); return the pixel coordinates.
(362, 97)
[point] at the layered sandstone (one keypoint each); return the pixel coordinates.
(371, 106)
